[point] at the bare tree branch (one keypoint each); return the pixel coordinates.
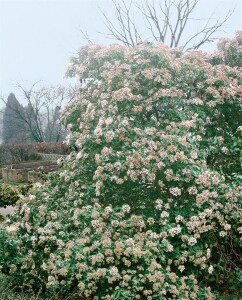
(126, 30)
(42, 111)
(166, 20)
(207, 31)
(86, 36)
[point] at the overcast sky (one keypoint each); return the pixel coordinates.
(37, 37)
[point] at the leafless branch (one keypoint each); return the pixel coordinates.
(166, 20)
(207, 32)
(42, 111)
(86, 36)
(126, 30)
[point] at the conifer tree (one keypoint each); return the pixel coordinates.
(14, 128)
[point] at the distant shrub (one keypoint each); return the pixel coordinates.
(14, 153)
(52, 148)
(2, 218)
(8, 195)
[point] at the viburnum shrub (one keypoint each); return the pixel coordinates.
(230, 51)
(148, 206)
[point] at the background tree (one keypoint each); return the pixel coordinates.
(54, 130)
(14, 128)
(1, 125)
(166, 21)
(40, 116)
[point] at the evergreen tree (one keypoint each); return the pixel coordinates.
(14, 128)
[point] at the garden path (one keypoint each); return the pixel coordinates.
(7, 211)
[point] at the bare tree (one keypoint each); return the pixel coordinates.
(166, 21)
(41, 114)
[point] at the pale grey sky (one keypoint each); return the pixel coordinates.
(37, 37)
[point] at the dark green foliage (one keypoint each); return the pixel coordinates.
(2, 218)
(8, 195)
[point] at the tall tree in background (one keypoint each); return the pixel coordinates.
(39, 119)
(54, 130)
(165, 21)
(1, 125)
(14, 128)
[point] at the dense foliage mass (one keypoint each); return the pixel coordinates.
(148, 206)
(8, 195)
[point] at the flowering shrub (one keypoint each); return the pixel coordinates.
(8, 249)
(230, 51)
(228, 159)
(148, 206)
